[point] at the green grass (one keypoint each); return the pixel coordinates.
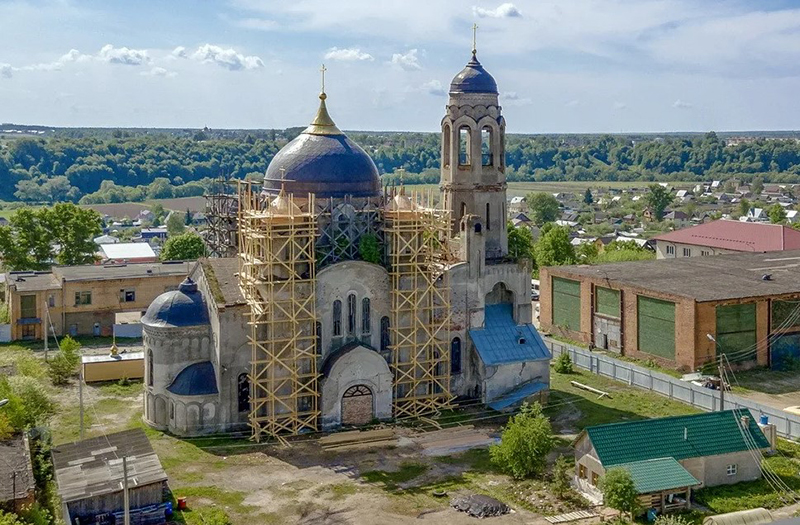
(336, 491)
(767, 381)
(475, 460)
(120, 389)
(391, 479)
(625, 403)
(25, 361)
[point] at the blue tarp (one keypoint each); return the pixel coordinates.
(501, 341)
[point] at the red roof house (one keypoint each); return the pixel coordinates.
(724, 236)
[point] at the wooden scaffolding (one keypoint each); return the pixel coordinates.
(417, 240)
(277, 278)
(221, 216)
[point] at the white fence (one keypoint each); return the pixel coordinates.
(787, 425)
(128, 330)
(5, 333)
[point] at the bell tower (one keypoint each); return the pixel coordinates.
(473, 180)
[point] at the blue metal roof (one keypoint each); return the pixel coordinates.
(517, 394)
(473, 79)
(181, 307)
(501, 341)
(197, 379)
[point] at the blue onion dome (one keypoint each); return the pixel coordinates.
(177, 308)
(323, 161)
(473, 79)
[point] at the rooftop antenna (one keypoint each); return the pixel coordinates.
(474, 38)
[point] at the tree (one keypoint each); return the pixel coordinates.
(73, 229)
(188, 217)
(543, 208)
(744, 207)
(524, 444)
(185, 247)
(619, 492)
(554, 248)
(758, 186)
(28, 404)
(658, 199)
(563, 364)
(369, 249)
(561, 476)
(520, 243)
(64, 364)
(175, 224)
(777, 214)
(587, 197)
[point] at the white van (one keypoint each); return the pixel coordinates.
(534, 290)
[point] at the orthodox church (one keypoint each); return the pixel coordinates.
(348, 302)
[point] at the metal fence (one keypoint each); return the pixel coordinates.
(787, 425)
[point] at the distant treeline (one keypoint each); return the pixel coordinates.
(114, 166)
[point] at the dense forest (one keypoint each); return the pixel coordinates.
(116, 166)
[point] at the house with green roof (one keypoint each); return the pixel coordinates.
(669, 456)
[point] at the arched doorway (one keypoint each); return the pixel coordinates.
(357, 406)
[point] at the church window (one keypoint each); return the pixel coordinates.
(149, 368)
(446, 141)
(463, 146)
(318, 336)
(351, 313)
(337, 318)
(488, 217)
(171, 410)
(243, 393)
(455, 356)
(385, 340)
(366, 322)
(486, 146)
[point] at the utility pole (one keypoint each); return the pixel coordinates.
(80, 397)
(125, 498)
(14, 488)
(46, 330)
(721, 384)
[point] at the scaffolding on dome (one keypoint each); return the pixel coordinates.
(222, 207)
(418, 239)
(277, 278)
(342, 224)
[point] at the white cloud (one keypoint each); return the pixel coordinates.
(123, 55)
(158, 72)
(434, 87)
(507, 10)
(227, 58)
(511, 98)
(619, 106)
(572, 103)
(73, 55)
(681, 104)
(6, 71)
(408, 60)
(260, 24)
(348, 54)
(179, 52)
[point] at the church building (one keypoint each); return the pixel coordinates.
(350, 303)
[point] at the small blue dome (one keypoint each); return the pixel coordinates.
(181, 307)
(473, 79)
(197, 379)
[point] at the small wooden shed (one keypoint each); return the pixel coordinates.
(89, 475)
(128, 365)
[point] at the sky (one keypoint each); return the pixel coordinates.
(562, 66)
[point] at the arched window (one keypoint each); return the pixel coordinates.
(149, 368)
(243, 393)
(446, 146)
(366, 322)
(385, 340)
(488, 218)
(351, 313)
(318, 336)
(171, 410)
(463, 146)
(337, 318)
(486, 146)
(455, 356)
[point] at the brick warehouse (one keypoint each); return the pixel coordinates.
(664, 309)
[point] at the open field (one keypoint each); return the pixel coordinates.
(520, 189)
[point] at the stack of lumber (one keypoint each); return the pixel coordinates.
(355, 439)
(452, 440)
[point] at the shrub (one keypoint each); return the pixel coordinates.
(525, 443)
(563, 364)
(671, 519)
(6, 518)
(63, 365)
(369, 249)
(619, 491)
(4, 317)
(35, 405)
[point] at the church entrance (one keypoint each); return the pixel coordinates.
(357, 406)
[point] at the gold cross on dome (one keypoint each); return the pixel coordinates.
(322, 70)
(474, 37)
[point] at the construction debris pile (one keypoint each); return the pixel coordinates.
(479, 506)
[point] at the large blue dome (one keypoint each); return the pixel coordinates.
(324, 161)
(473, 79)
(181, 307)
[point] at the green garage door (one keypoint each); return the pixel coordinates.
(567, 304)
(656, 327)
(607, 302)
(736, 331)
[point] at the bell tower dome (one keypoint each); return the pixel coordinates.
(473, 179)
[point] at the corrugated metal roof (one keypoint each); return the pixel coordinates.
(127, 250)
(93, 467)
(15, 458)
(501, 341)
(678, 437)
(655, 475)
(737, 235)
(517, 394)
